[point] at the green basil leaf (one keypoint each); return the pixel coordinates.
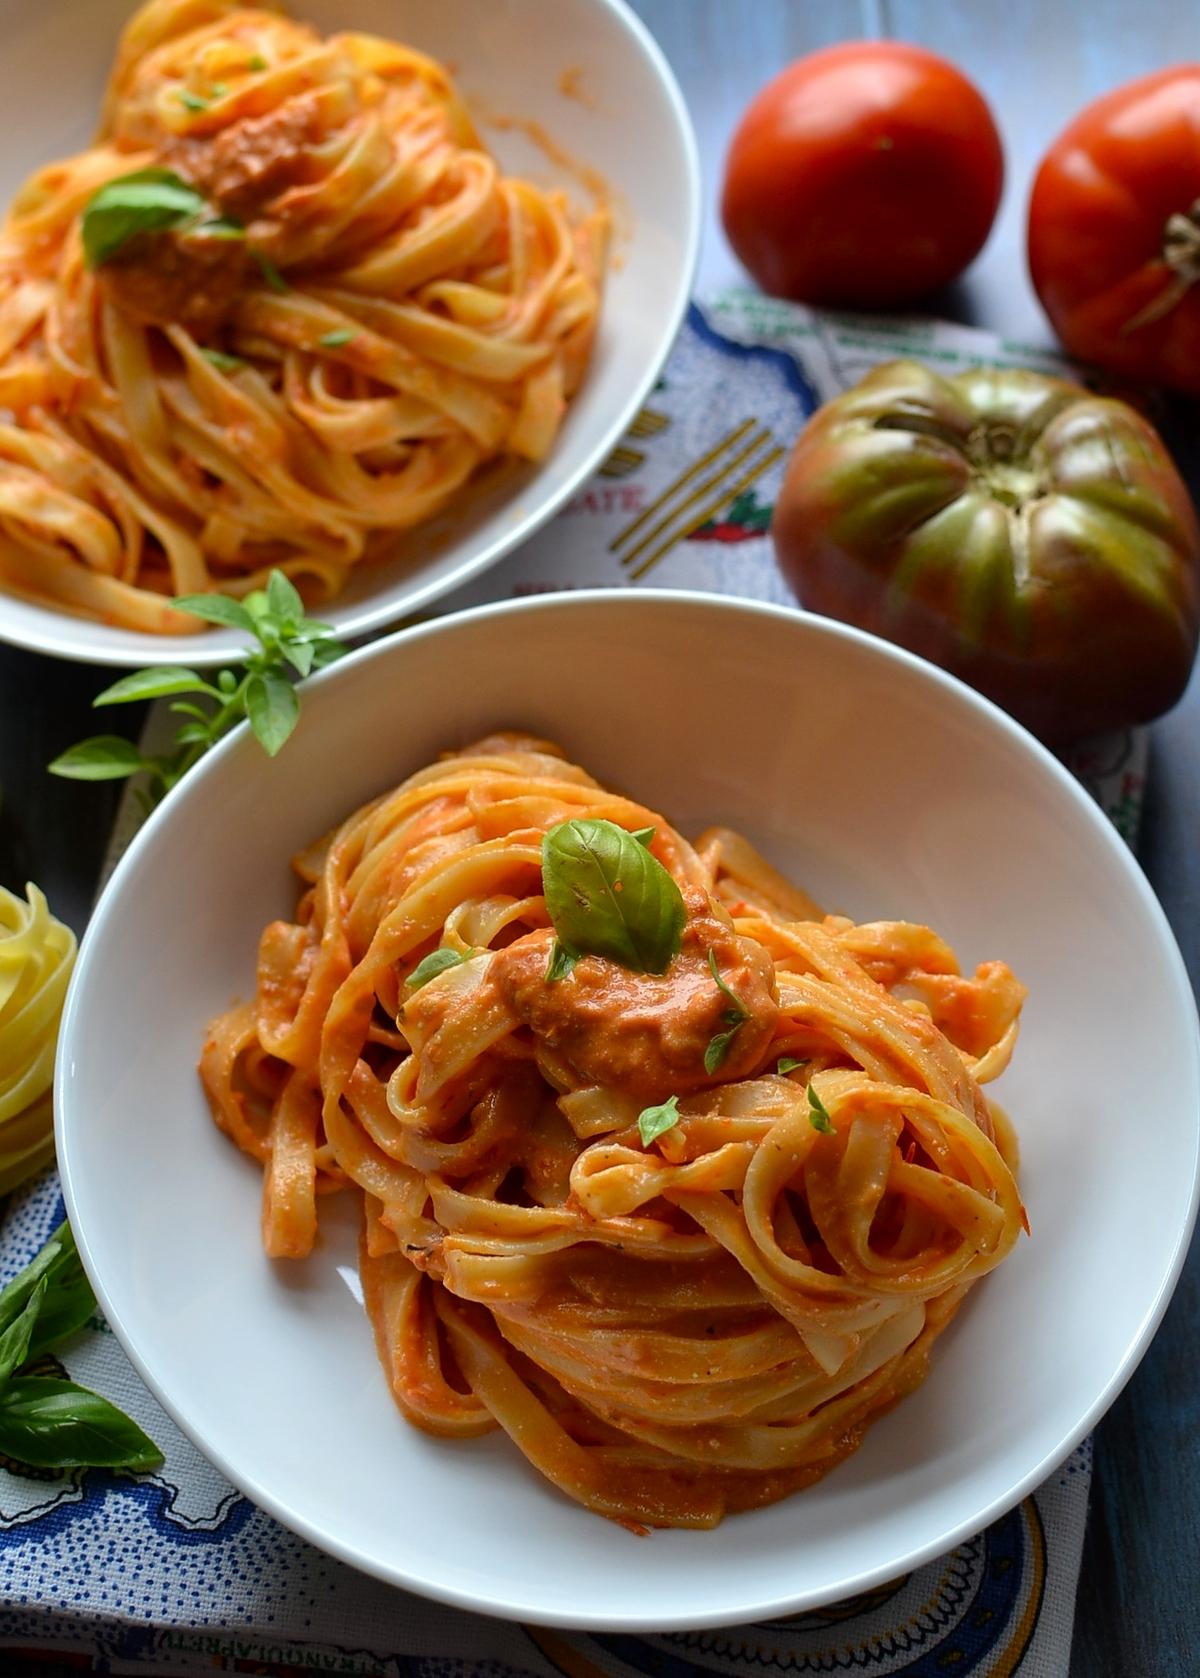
(69, 1301)
(562, 963)
(221, 227)
(787, 1064)
(215, 608)
(14, 1341)
(191, 101)
(644, 835)
(273, 709)
(18, 1292)
(608, 896)
(327, 650)
(818, 1115)
(270, 273)
(153, 683)
(300, 655)
(739, 1010)
(222, 361)
(653, 1121)
(50, 1423)
(146, 201)
(437, 961)
(257, 62)
(284, 600)
(335, 340)
(105, 757)
(719, 1047)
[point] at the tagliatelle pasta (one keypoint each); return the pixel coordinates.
(36, 956)
(683, 1219)
(284, 308)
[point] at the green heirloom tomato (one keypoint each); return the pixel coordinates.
(1030, 537)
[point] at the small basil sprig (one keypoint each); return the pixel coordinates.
(437, 961)
(264, 692)
(787, 1064)
(607, 895)
(653, 1121)
(735, 1017)
(46, 1421)
(818, 1113)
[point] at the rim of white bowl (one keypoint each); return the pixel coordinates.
(988, 715)
(368, 616)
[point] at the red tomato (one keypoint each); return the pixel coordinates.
(866, 175)
(1114, 230)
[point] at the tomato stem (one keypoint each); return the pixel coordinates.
(1181, 256)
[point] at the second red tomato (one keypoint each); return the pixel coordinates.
(865, 176)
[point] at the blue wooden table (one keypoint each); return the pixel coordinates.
(1038, 61)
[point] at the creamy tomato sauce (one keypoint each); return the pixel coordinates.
(646, 1034)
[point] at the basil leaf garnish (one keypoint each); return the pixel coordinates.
(644, 835)
(561, 964)
(608, 896)
(719, 1047)
(653, 1121)
(50, 1423)
(146, 201)
(818, 1113)
(270, 273)
(334, 340)
(734, 1017)
(787, 1064)
(222, 227)
(738, 1006)
(437, 961)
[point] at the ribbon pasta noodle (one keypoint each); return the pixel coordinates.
(672, 1329)
(37, 954)
(362, 312)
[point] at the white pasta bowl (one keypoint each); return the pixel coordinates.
(589, 75)
(888, 790)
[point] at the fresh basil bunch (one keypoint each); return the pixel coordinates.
(46, 1421)
(289, 645)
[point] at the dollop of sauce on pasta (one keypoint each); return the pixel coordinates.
(646, 1034)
